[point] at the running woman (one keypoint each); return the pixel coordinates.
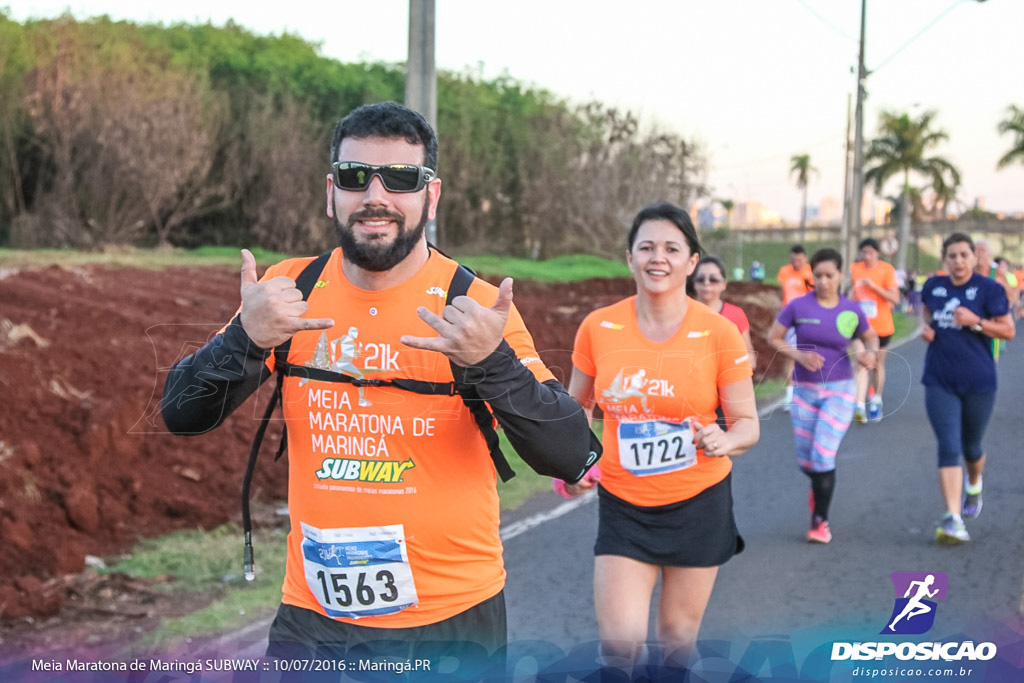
(710, 283)
(825, 322)
(962, 312)
(665, 498)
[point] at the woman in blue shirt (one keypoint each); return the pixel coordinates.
(962, 312)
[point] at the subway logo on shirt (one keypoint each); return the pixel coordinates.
(377, 471)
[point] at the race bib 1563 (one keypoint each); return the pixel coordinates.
(358, 572)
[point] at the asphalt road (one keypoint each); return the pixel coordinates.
(782, 589)
(778, 607)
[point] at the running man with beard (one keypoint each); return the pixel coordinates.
(394, 548)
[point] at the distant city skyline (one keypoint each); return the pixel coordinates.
(752, 82)
(709, 213)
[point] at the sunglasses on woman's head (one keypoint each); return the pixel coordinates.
(353, 175)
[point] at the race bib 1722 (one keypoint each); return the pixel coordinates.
(652, 447)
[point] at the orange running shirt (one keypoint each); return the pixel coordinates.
(875, 307)
(650, 391)
(795, 283)
(392, 495)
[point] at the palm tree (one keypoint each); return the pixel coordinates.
(801, 166)
(915, 201)
(1014, 123)
(901, 147)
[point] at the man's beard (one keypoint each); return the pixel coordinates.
(377, 255)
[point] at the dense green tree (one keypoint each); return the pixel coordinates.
(114, 132)
(14, 65)
(904, 144)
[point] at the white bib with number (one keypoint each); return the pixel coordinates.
(870, 308)
(358, 572)
(647, 448)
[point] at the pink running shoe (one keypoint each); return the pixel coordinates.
(819, 532)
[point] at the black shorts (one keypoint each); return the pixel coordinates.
(884, 341)
(474, 639)
(697, 532)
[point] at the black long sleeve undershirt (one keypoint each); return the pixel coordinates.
(204, 388)
(543, 423)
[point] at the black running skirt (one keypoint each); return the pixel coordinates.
(697, 532)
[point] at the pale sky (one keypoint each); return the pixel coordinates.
(754, 81)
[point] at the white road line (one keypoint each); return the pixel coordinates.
(524, 525)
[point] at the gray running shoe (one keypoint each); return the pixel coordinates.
(952, 531)
(972, 504)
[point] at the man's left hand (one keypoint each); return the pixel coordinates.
(468, 332)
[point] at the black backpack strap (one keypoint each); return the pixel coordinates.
(305, 283)
(482, 415)
(415, 386)
(248, 559)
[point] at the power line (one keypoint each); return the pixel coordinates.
(917, 35)
(826, 22)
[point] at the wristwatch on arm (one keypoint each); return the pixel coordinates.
(976, 327)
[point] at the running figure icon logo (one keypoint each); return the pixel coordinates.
(626, 386)
(914, 610)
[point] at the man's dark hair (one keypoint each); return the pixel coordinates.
(797, 249)
(827, 254)
(869, 242)
(387, 120)
(957, 238)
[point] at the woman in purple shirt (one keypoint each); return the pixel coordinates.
(824, 388)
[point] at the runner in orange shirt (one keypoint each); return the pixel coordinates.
(658, 364)
(796, 279)
(876, 289)
(394, 547)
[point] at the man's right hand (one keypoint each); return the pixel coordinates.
(272, 311)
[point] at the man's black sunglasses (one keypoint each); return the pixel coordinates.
(353, 175)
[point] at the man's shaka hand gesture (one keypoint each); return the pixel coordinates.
(468, 332)
(272, 311)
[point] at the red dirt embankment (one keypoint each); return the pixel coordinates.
(86, 466)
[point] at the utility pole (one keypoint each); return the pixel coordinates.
(857, 196)
(845, 227)
(420, 73)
